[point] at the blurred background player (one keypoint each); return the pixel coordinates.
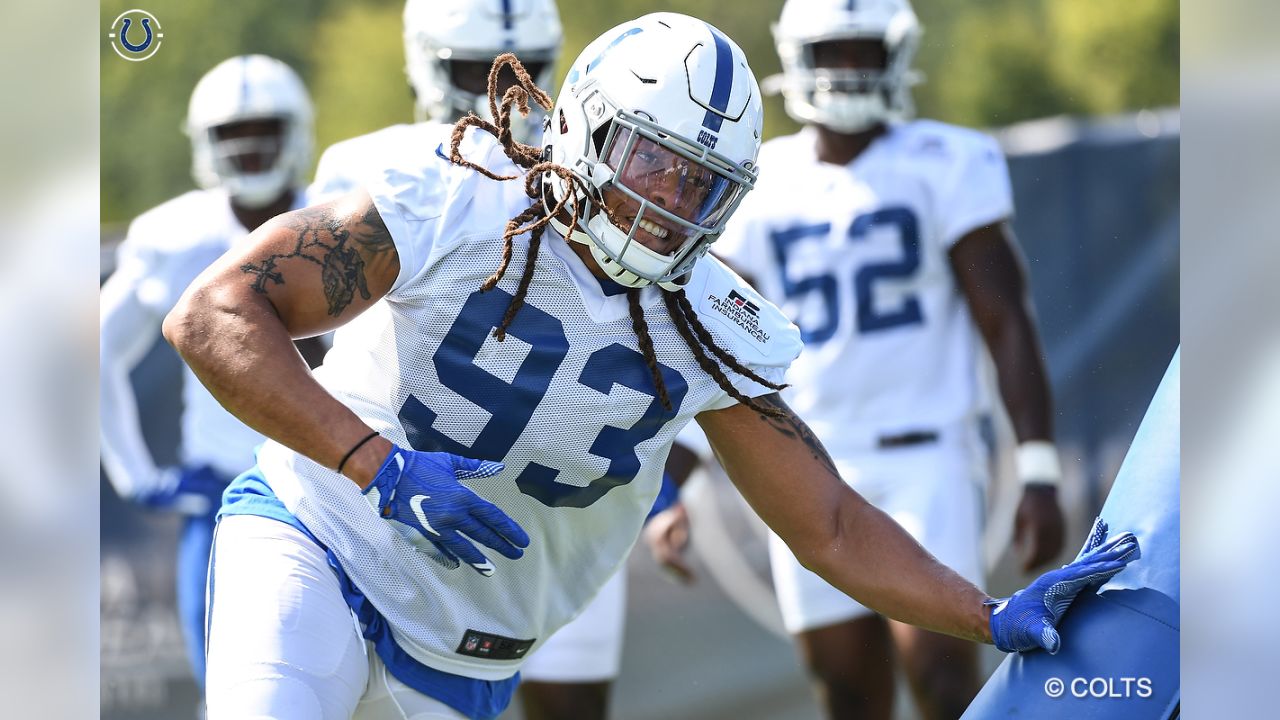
(250, 123)
(886, 240)
(449, 49)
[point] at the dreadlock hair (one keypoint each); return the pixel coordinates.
(536, 217)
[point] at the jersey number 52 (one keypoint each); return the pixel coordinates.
(869, 317)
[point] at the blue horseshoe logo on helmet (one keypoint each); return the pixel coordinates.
(124, 35)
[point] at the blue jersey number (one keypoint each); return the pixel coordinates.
(869, 318)
(824, 284)
(511, 404)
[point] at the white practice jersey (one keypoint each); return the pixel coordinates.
(857, 256)
(165, 249)
(360, 160)
(566, 402)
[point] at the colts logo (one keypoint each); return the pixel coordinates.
(706, 138)
(135, 35)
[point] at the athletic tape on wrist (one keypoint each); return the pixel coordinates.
(1037, 462)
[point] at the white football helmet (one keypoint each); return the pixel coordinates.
(244, 88)
(660, 118)
(847, 100)
(438, 32)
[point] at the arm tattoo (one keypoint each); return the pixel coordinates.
(338, 247)
(793, 427)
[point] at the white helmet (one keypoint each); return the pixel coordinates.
(847, 100)
(437, 32)
(240, 89)
(660, 119)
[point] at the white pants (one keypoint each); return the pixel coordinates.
(588, 649)
(282, 643)
(934, 491)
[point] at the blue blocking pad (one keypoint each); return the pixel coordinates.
(1119, 657)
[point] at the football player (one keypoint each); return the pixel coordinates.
(519, 340)
(450, 46)
(886, 240)
(250, 123)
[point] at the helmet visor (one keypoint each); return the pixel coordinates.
(671, 180)
(247, 147)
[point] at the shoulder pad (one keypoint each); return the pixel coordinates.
(758, 332)
(397, 144)
(417, 150)
(180, 223)
(949, 142)
(425, 185)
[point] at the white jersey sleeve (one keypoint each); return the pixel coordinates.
(330, 181)
(756, 332)
(978, 191)
(339, 171)
(356, 161)
(413, 198)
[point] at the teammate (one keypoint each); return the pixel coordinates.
(250, 124)
(886, 241)
(529, 412)
(449, 48)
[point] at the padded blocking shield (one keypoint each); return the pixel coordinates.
(1119, 656)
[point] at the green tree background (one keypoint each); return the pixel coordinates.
(986, 62)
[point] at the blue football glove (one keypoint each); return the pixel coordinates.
(668, 495)
(1028, 619)
(422, 490)
(195, 490)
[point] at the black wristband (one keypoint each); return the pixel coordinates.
(354, 448)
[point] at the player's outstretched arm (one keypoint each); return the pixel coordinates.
(785, 474)
(301, 274)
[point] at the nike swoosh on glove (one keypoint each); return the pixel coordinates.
(422, 490)
(1028, 619)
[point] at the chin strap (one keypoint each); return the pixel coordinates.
(576, 235)
(611, 268)
(549, 202)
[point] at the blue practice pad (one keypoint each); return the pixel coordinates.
(1119, 657)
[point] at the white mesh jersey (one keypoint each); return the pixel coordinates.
(360, 160)
(857, 256)
(164, 250)
(566, 401)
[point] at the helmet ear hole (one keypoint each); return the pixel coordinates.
(598, 138)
